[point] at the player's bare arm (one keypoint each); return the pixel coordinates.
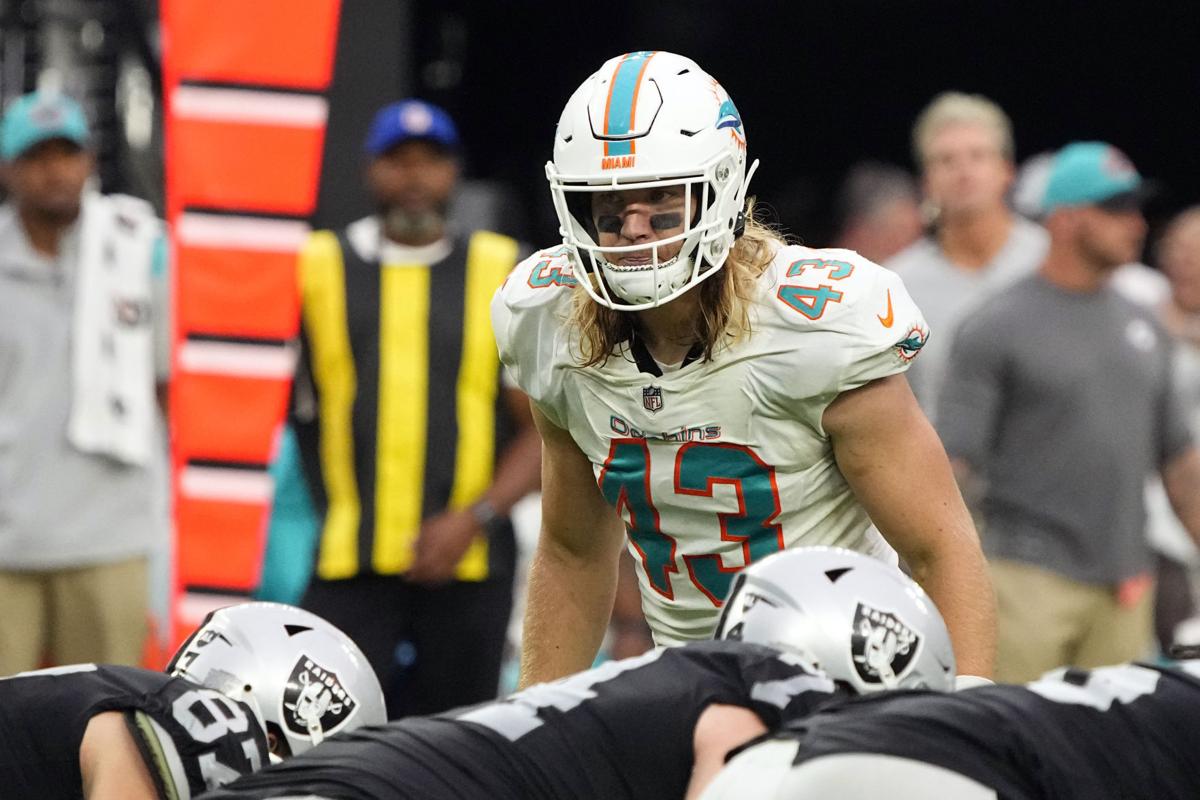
(1181, 479)
(110, 762)
(573, 578)
(720, 729)
(895, 463)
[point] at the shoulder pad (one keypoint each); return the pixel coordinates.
(540, 278)
(822, 287)
(853, 319)
(527, 318)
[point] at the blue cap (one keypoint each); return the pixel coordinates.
(1092, 173)
(39, 116)
(410, 119)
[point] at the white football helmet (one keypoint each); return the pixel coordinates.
(304, 678)
(851, 616)
(645, 120)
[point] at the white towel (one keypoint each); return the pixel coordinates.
(113, 401)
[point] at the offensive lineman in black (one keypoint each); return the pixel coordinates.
(254, 679)
(627, 729)
(658, 725)
(1129, 731)
(108, 730)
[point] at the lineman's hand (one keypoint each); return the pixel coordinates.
(441, 544)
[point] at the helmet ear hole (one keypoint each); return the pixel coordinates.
(277, 742)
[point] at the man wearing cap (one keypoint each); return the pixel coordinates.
(1062, 404)
(82, 343)
(414, 449)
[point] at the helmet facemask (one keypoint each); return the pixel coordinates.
(708, 235)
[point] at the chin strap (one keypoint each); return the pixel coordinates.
(739, 225)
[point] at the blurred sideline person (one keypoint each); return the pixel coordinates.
(84, 339)
(1029, 185)
(413, 449)
(254, 681)
(1138, 282)
(706, 389)
(1127, 732)
(1179, 259)
(657, 725)
(1178, 256)
(964, 147)
(292, 529)
(1062, 403)
(878, 210)
(1173, 550)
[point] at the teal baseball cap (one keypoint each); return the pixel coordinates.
(1093, 174)
(37, 117)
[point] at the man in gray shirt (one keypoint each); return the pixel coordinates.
(1062, 403)
(964, 146)
(82, 491)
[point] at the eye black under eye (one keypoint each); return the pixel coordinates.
(608, 223)
(665, 222)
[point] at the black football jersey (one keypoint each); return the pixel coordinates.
(622, 730)
(43, 716)
(1128, 731)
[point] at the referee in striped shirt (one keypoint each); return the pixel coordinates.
(413, 446)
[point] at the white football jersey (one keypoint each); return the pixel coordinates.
(725, 461)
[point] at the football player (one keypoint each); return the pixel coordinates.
(657, 725)
(729, 395)
(254, 681)
(1130, 731)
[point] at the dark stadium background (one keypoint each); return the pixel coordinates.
(819, 84)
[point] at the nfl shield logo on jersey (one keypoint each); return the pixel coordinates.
(314, 697)
(881, 645)
(652, 397)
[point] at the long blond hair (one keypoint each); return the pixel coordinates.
(725, 300)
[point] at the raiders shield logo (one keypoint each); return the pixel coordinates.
(882, 645)
(315, 697)
(652, 397)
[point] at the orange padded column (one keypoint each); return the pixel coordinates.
(245, 127)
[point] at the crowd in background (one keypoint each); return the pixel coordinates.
(1063, 375)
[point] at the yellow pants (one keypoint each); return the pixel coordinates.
(68, 616)
(1048, 621)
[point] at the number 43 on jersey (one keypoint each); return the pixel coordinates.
(699, 468)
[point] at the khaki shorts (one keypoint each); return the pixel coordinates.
(69, 616)
(1048, 621)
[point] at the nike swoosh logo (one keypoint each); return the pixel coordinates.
(887, 319)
